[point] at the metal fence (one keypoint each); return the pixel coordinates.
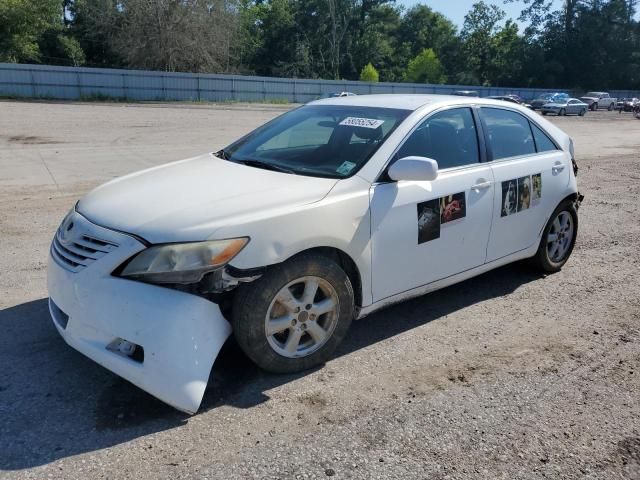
(75, 83)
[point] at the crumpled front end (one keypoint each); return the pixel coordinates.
(162, 340)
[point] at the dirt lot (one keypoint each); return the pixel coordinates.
(510, 375)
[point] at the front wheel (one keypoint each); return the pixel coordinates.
(610, 107)
(582, 112)
(594, 107)
(294, 317)
(562, 112)
(558, 238)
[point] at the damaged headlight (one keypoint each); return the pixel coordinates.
(182, 262)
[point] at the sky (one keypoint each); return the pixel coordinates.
(455, 10)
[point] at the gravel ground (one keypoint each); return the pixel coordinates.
(509, 375)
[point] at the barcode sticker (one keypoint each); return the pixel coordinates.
(362, 122)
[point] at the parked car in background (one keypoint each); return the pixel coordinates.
(627, 104)
(597, 100)
(466, 93)
(338, 94)
(512, 98)
(545, 98)
(324, 215)
(570, 106)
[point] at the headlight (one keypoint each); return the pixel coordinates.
(182, 262)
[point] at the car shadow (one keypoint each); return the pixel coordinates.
(55, 403)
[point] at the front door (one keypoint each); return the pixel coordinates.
(426, 231)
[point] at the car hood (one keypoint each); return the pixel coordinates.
(188, 200)
(588, 98)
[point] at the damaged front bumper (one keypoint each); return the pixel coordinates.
(162, 340)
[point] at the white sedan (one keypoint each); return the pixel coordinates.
(323, 215)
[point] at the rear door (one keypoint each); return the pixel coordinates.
(531, 175)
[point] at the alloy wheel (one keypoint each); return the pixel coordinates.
(302, 317)
(560, 237)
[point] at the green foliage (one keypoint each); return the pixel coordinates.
(369, 73)
(478, 32)
(71, 49)
(425, 68)
(22, 25)
(423, 28)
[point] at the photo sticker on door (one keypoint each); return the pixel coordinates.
(524, 193)
(536, 189)
(509, 197)
(429, 220)
(453, 207)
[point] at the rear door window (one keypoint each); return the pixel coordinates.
(508, 133)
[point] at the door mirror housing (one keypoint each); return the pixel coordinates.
(415, 168)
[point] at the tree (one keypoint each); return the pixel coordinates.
(375, 41)
(369, 73)
(480, 25)
(507, 55)
(278, 47)
(171, 35)
(22, 25)
(96, 25)
(425, 68)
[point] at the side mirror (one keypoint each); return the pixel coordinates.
(420, 169)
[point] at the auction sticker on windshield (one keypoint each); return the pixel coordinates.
(345, 168)
(362, 122)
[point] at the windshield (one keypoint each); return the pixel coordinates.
(592, 94)
(332, 141)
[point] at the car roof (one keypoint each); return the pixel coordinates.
(404, 101)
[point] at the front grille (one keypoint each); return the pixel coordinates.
(74, 249)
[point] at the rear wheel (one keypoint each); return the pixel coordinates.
(558, 238)
(294, 317)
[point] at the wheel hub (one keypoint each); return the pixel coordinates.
(559, 237)
(302, 317)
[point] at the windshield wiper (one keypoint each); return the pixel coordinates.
(266, 166)
(223, 154)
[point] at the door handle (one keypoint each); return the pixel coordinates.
(481, 185)
(557, 168)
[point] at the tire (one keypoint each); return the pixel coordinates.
(594, 107)
(610, 107)
(562, 112)
(544, 113)
(582, 112)
(544, 258)
(258, 305)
